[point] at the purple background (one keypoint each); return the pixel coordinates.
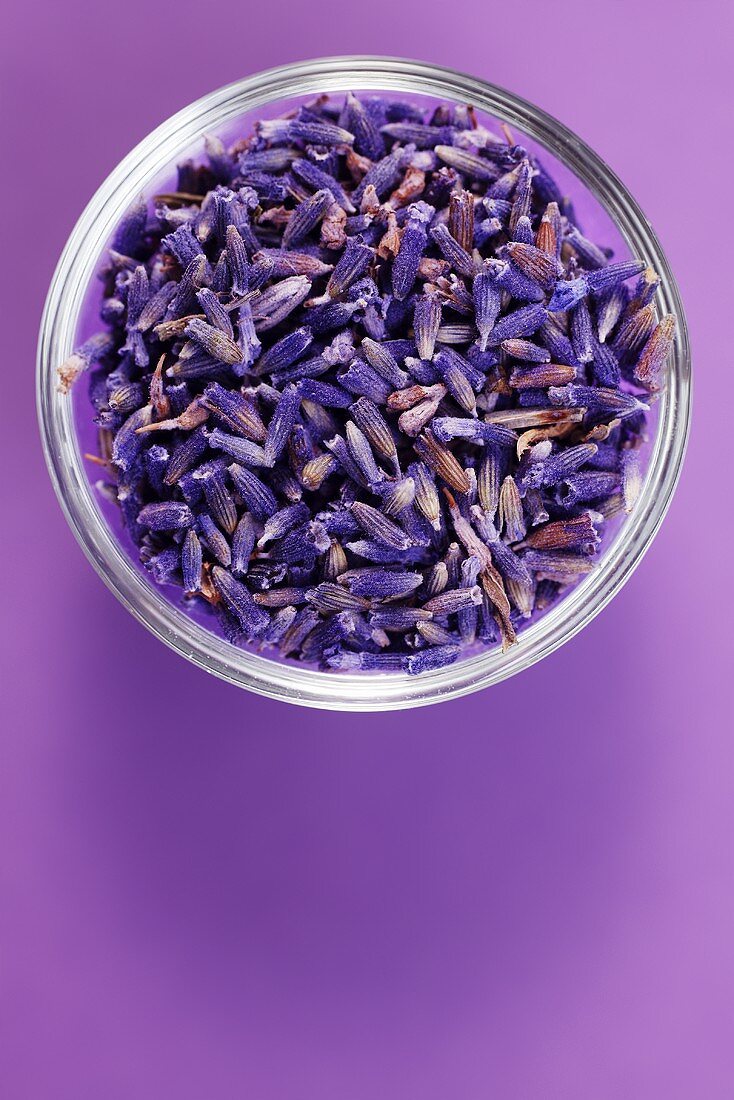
(526, 893)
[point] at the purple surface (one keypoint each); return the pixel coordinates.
(204, 894)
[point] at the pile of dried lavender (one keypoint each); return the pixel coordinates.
(366, 388)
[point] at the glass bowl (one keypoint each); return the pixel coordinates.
(266, 94)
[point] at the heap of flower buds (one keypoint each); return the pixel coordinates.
(366, 389)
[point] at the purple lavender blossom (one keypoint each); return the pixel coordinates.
(365, 388)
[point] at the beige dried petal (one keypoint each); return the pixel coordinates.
(192, 416)
(400, 400)
(207, 590)
(357, 166)
(277, 215)
(599, 432)
(495, 592)
(370, 203)
(170, 330)
(432, 269)
(534, 418)
(390, 244)
(412, 185)
(414, 420)
(536, 435)
(69, 371)
(333, 235)
(158, 397)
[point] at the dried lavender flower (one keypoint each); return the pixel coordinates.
(426, 324)
(511, 520)
(652, 357)
(366, 389)
(412, 246)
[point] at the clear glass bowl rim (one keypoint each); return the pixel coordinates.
(77, 265)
